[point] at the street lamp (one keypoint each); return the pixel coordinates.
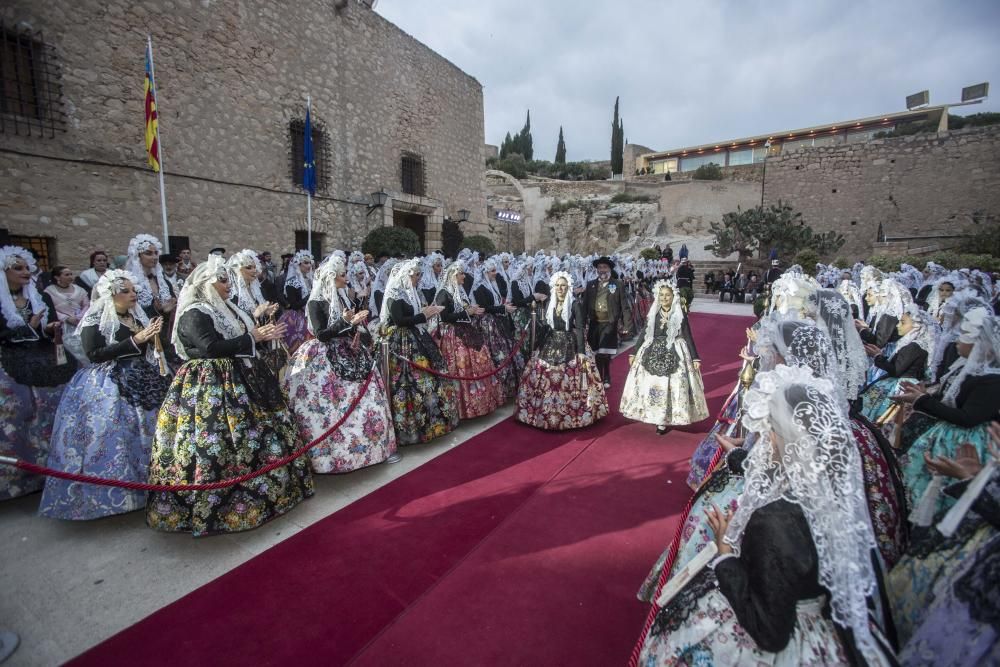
(763, 177)
(463, 215)
(379, 200)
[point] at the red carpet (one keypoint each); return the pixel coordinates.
(518, 547)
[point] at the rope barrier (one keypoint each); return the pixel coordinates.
(448, 376)
(222, 484)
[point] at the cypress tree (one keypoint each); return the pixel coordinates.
(505, 147)
(616, 142)
(561, 148)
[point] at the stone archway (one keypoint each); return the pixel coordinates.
(526, 195)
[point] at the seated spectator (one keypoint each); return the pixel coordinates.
(710, 282)
(728, 286)
(753, 286)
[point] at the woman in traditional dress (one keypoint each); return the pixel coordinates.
(328, 371)
(496, 325)
(917, 331)
(32, 378)
(99, 262)
(359, 282)
(298, 286)
(432, 269)
(888, 300)
(424, 406)
(154, 292)
(799, 543)
(959, 413)
(107, 415)
(224, 415)
(70, 301)
(940, 293)
(244, 271)
(464, 347)
(664, 385)
(378, 289)
(946, 593)
(952, 313)
(561, 388)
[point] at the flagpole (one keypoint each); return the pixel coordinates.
(159, 150)
(309, 199)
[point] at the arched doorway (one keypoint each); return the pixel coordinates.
(414, 222)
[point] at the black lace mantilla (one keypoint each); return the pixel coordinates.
(262, 386)
(681, 605)
(978, 586)
(34, 365)
(352, 365)
(559, 348)
(660, 358)
(140, 383)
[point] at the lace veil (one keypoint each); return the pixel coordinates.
(9, 254)
(198, 294)
(567, 308)
(833, 316)
(248, 297)
(807, 455)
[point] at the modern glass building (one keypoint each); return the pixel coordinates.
(750, 150)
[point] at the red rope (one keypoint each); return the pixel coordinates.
(668, 565)
(143, 486)
(448, 376)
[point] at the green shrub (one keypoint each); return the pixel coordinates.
(481, 244)
(985, 241)
(650, 253)
(708, 172)
(629, 198)
(559, 207)
(807, 258)
(392, 241)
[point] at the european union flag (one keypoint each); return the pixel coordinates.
(308, 159)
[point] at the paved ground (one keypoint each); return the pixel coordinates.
(66, 586)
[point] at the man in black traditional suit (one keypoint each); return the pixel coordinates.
(608, 313)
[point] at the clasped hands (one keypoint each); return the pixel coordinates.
(152, 330)
(354, 318)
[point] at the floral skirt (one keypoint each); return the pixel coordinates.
(884, 494)
(26, 417)
(298, 330)
(424, 406)
(476, 397)
(919, 579)
(319, 397)
(221, 419)
(706, 449)
(711, 635)
(960, 626)
(557, 397)
(98, 431)
(522, 322)
(501, 347)
(941, 439)
(877, 398)
(665, 400)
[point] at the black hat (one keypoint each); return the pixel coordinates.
(287, 255)
(604, 260)
(217, 251)
(167, 258)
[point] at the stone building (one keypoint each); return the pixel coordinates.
(389, 115)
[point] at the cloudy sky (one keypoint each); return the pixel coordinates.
(703, 70)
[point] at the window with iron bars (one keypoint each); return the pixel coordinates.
(412, 175)
(42, 247)
(321, 151)
(30, 89)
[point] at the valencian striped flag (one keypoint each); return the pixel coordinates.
(152, 141)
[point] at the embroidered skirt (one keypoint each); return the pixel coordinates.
(424, 406)
(221, 419)
(26, 417)
(465, 352)
(104, 427)
(562, 396)
(664, 400)
(319, 395)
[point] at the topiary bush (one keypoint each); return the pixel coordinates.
(481, 244)
(391, 241)
(650, 253)
(807, 258)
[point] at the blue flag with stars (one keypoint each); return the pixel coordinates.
(308, 158)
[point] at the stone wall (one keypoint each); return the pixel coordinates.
(923, 189)
(630, 155)
(231, 76)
